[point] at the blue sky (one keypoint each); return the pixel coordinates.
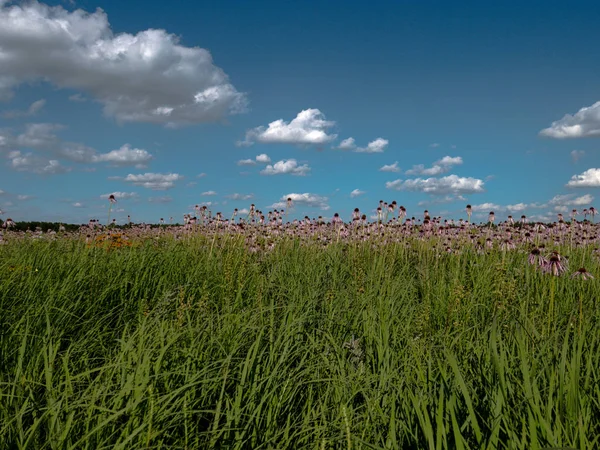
(488, 103)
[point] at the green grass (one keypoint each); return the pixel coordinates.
(199, 343)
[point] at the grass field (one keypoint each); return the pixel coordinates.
(201, 342)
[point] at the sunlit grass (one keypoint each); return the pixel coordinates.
(201, 343)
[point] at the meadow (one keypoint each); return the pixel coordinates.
(307, 335)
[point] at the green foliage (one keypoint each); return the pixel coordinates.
(203, 344)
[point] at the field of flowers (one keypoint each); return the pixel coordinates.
(403, 334)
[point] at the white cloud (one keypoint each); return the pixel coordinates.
(442, 200)
(347, 144)
(356, 192)
(585, 123)
(146, 77)
(263, 158)
(376, 146)
(154, 181)
(451, 184)
(33, 109)
(201, 175)
(571, 199)
(286, 167)
(125, 156)
(390, 167)
(39, 136)
(589, 178)
(434, 145)
(238, 196)
(23, 197)
(306, 199)
(309, 127)
(440, 166)
(518, 207)
(78, 205)
(42, 137)
(29, 162)
(207, 193)
(487, 207)
(246, 162)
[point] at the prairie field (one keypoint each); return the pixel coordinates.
(328, 336)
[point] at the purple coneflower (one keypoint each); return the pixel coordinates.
(583, 274)
(536, 258)
(112, 199)
(555, 265)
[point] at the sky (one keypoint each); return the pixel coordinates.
(337, 105)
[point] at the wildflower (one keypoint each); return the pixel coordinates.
(555, 265)
(469, 212)
(507, 244)
(491, 217)
(536, 258)
(112, 199)
(583, 274)
(592, 212)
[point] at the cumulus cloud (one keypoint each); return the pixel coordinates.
(356, 192)
(263, 158)
(28, 162)
(154, 181)
(347, 144)
(376, 146)
(390, 167)
(306, 199)
(208, 193)
(143, 77)
(440, 166)
(571, 199)
(589, 178)
(238, 196)
(33, 109)
(442, 200)
(42, 137)
(125, 156)
(584, 123)
(487, 207)
(308, 128)
(451, 184)
(286, 167)
(246, 162)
